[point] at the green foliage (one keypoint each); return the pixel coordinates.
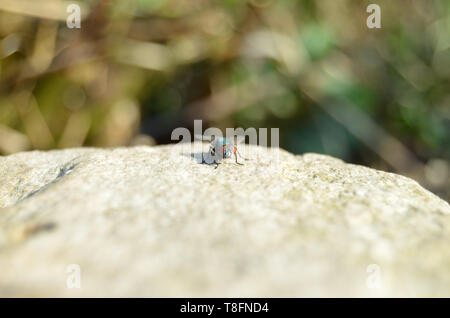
(149, 66)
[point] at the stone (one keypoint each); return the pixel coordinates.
(156, 222)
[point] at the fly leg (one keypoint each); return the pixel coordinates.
(236, 155)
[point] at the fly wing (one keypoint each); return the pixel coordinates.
(203, 137)
(240, 140)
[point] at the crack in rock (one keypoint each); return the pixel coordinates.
(63, 171)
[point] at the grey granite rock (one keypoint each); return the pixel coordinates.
(154, 221)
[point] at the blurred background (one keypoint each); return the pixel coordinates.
(137, 69)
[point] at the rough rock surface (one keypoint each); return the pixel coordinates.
(153, 221)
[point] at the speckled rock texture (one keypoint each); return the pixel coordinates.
(155, 221)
